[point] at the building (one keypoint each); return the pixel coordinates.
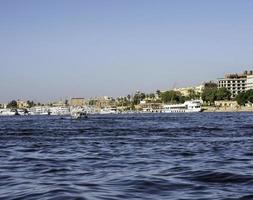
(22, 104)
(249, 81)
(77, 102)
(60, 103)
(186, 91)
(226, 104)
(183, 91)
(210, 85)
(235, 83)
(150, 107)
(105, 102)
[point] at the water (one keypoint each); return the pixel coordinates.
(152, 156)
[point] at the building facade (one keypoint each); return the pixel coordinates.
(226, 104)
(235, 83)
(105, 102)
(60, 103)
(22, 104)
(79, 102)
(249, 82)
(186, 91)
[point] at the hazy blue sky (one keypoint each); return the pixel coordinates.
(51, 49)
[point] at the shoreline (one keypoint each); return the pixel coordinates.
(227, 109)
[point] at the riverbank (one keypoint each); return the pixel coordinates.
(227, 109)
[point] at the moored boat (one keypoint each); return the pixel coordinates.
(109, 110)
(8, 112)
(186, 107)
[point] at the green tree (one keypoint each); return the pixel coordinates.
(132, 106)
(152, 95)
(209, 95)
(138, 97)
(142, 96)
(249, 94)
(12, 104)
(250, 98)
(158, 92)
(30, 104)
(210, 85)
(172, 97)
(128, 97)
(92, 102)
(245, 97)
(223, 94)
(241, 99)
(193, 94)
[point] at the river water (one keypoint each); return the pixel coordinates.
(140, 156)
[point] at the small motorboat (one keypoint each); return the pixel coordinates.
(78, 114)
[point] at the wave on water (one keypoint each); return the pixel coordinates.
(202, 156)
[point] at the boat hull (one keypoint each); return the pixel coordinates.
(182, 111)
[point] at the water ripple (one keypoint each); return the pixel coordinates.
(205, 156)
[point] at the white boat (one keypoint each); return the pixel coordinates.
(186, 107)
(59, 111)
(78, 114)
(23, 112)
(8, 112)
(39, 110)
(108, 111)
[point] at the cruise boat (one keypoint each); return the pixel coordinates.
(59, 111)
(186, 107)
(39, 110)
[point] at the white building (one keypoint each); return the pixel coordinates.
(235, 83)
(186, 91)
(249, 82)
(60, 110)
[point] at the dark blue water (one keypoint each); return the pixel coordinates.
(153, 156)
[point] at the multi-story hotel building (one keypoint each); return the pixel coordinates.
(249, 81)
(235, 83)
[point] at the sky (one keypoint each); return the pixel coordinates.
(55, 49)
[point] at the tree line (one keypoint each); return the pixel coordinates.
(245, 97)
(14, 104)
(209, 95)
